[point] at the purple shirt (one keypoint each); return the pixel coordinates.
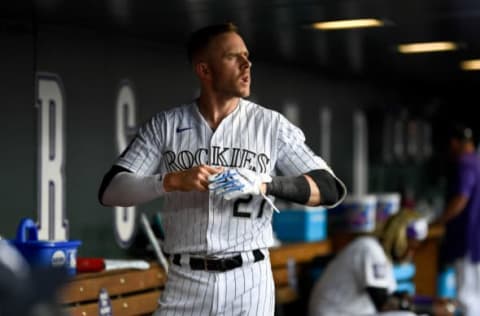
(463, 232)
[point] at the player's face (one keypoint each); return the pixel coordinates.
(229, 65)
(455, 147)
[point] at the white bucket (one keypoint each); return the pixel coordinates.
(388, 204)
(356, 214)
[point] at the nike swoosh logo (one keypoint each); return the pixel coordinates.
(179, 129)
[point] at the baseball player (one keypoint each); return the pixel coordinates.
(28, 290)
(218, 162)
(461, 217)
(360, 280)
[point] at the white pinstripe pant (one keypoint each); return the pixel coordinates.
(468, 286)
(247, 290)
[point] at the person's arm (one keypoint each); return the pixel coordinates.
(379, 296)
(307, 179)
(194, 179)
(454, 207)
(317, 187)
(131, 180)
(120, 187)
(463, 184)
(375, 275)
(385, 302)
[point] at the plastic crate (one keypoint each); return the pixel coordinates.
(297, 225)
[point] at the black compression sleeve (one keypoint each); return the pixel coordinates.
(327, 185)
(379, 296)
(108, 178)
(293, 189)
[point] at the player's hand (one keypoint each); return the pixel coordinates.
(234, 183)
(444, 307)
(193, 179)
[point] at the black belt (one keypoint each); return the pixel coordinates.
(221, 264)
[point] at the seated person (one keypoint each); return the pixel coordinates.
(25, 290)
(359, 280)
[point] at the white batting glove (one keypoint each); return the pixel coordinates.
(235, 183)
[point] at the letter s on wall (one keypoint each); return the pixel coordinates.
(125, 127)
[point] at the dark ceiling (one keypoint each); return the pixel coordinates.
(275, 30)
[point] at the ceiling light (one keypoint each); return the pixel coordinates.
(347, 24)
(472, 64)
(426, 47)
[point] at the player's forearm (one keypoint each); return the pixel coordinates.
(193, 179)
(315, 196)
(128, 189)
(454, 207)
(176, 181)
(317, 187)
(170, 182)
(326, 189)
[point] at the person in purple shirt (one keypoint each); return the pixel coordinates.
(461, 217)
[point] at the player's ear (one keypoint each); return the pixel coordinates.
(202, 70)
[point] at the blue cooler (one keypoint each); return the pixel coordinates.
(300, 225)
(45, 253)
(405, 287)
(446, 283)
(404, 271)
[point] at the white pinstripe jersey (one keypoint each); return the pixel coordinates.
(250, 137)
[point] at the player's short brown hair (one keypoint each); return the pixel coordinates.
(461, 131)
(200, 39)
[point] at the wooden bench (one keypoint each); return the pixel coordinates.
(301, 254)
(134, 292)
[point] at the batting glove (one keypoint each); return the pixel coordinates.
(234, 183)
